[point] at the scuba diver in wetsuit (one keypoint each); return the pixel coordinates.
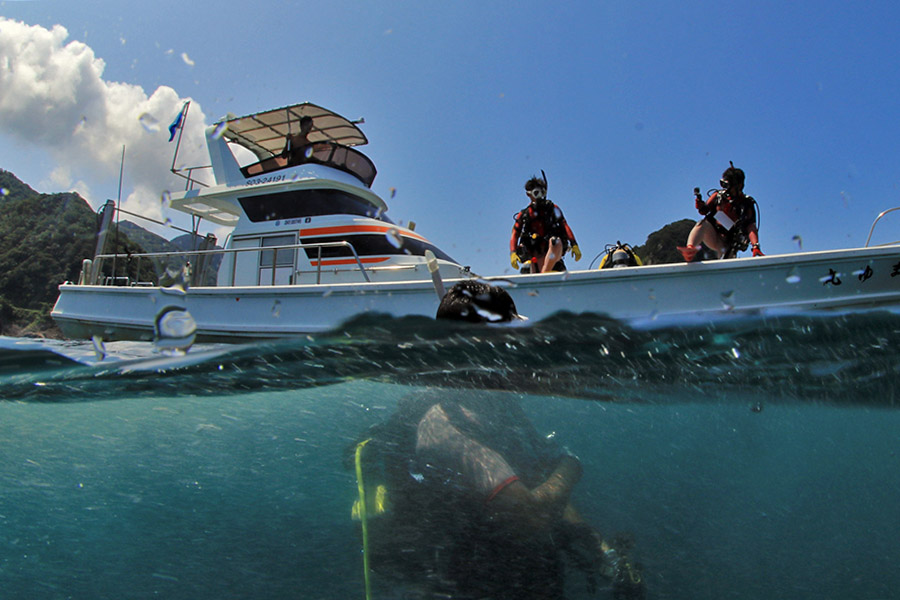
(477, 505)
(729, 222)
(540, 234)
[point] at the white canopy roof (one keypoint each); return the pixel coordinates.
(265, 133)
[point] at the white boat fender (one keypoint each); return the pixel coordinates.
(432, 263)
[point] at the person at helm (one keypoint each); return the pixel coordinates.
(729, 222)
(540, 234)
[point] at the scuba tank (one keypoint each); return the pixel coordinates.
(619, 255)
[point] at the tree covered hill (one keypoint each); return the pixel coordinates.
(43, 240)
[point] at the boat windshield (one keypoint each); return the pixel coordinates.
(328, 154)
(316, 202)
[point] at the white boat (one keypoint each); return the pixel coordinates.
(312, 248)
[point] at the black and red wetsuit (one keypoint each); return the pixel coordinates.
(736, 230)
(535, 225)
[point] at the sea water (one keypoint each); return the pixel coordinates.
(751, 458)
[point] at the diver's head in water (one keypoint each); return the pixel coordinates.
(477, 302)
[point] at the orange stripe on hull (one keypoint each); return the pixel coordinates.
(348, 261)
(342, 229)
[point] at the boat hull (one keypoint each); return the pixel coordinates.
(855, 279)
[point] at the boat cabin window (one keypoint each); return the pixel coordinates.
(265, 267)
(307, 203)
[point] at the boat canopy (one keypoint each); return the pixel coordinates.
(265, 133)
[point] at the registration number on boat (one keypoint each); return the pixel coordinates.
(269, 179)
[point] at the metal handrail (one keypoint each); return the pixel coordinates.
(319, 246)
(875, 222)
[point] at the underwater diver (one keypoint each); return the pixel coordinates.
(729, 222)
(477, 504)
(540, 234)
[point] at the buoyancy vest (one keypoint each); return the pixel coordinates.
(739, 216)
(535, 225)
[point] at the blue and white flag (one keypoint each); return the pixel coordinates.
(178, 122)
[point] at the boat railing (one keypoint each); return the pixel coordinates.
(187, 173)
(200, 267)
(875, 222)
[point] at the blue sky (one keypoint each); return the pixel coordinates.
(627, 106)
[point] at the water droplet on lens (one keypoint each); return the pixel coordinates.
(799, 241)
(149, 122)
(4, 192)
(735, 353)
(99, 347)
(219, 130)
(728, 299)
(793, 276)
(174, 331)
(276, 309)
(187, 59)
(165, 200)
(393, 237)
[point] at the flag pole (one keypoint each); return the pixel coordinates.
(183, 114)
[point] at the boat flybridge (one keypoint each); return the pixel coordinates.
(311, 247)
(306, 226)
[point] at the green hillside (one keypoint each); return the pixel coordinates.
(43, 240)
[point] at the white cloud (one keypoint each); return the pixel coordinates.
(53, 96)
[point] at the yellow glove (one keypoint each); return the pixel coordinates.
(576, 252)
(514, 260)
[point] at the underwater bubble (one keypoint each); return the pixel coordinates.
(728, 299)
(175, 330)
(99, 347)
(393, 237)
(793, 276)
(276, 309)
(219, 130)
(149, 122)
